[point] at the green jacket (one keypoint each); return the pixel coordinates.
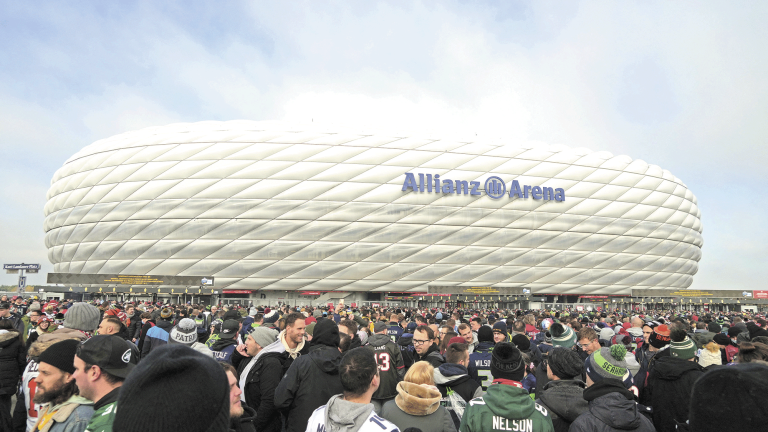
(505, 407)
(104, 413)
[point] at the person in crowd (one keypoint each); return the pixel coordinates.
(12, 363)
(469, 336)
(147, 322)
(500, 332)
(728, 350)
(158, 335)
(349, 327)
(311, 379)
(671, 381)
(710, 355)
(185, 333)
(750, 352)
(480, 360)
(44, 325)
(111, 325)
(30, 320)
(241, 417)
(453, 376)
(81, 320)
(260, 367)
(658, 344)
(101, 365)
(588, 340)
(506, 405)
(425, 347)
(175, 388)
(611, 406)
(352, 410)
(562, 396)
(391, 366)
(64, 410)
(395, 330)
(729, 399)
(226, 343)
(133, 322)
(203, 320)
(703, 333)
(417, 403)
(14, 318)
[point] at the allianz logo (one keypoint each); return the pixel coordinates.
(494, 187)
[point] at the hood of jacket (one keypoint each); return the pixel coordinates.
(509, 401)
(417, 400)
(249, 415)
(432, 348)
(165, 325)
(565, 398)
(405, 339)
(635, 331)
(485, 347)
(450, 373)
(671, 368)
(613, 404)
(62, 334)
(344, 416)
(220, 344)
(326, 358)
(378, 340)
(7, 337)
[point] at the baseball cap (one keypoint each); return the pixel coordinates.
(229, 329)
(109, 352)
(379, 326)
(5, 306)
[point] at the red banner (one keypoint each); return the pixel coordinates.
(309, 293)
(760, 294)
(237, 291)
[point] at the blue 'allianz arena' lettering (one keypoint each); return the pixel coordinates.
(494, 187)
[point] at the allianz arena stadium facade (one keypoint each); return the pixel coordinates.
(261, 206)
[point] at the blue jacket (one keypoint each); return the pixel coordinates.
(156, 336)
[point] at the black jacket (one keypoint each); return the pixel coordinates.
(310, 381)
(456, 377)
(12, 361)
(135, 327)
(432, 356)
(611, 409)
(245, 422)
(391, 367)
(405, 343)
(260, 386)
(669, 387)
(564, 399)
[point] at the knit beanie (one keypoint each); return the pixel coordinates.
(174, 388)
(565, 363)
(562, 335)
(722, 339)
(185, 332)
(485, 334)
(263, 336)
(734, 332)
(685, 349)
(607, 363)
(501, 327)
(714, 327)
(507, 362)
(660, 336)
(710, 355)
(730, 399)
(310, 328)
(326, 333)
(521, 342)
(271, 317)
(61, 355)
(83, 317)
(606, 334)
(457, 339)
(166, 314)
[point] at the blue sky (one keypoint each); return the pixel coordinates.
(677, 84)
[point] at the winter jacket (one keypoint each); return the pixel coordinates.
(391, 367)
(157, 336)
(432, 356)
(72, 415)
(455, 377)
(16, 322)
(418, 406)
(505, 406)
(245, 422)
(669, 387)
(611, 408)
(134, 325)
(405, 343)
(702, 337)
(260, 384)
(641, 381)
(564, 400)
(223, 348)
(12, 361)
(142, 336)
(480, 364)
(340, 415)
(310, 381)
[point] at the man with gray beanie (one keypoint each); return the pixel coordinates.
(185, 333)
(260, 367)
(563, 394)
(81, 317)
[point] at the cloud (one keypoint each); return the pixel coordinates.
(680, 85)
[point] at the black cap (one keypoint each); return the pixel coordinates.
(5, 306)
(109, 352)
(229, 329)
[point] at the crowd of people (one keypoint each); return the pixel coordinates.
(137, 366)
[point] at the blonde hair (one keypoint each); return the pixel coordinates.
(421, 373)
(712, 347)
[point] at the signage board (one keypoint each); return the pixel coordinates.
(689, 293)
(117, 279)
(468, 290)
(131, 290)
(236, 291)
(21, 266)
(760, 294)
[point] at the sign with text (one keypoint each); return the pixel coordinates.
(760, 294)
(688, 293)
(467, 290)
(132, 290)
(117, 279)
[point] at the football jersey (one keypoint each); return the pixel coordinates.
(391, 367)
(29, 386)
(480, 365)
(394, 332)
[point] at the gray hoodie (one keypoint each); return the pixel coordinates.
(344, 416)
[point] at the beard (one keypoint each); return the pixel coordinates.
(236, 412)
(62, 391)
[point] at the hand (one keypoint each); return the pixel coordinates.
(241, 349)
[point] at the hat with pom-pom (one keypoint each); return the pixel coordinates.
(608, 363)
(562, 335)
